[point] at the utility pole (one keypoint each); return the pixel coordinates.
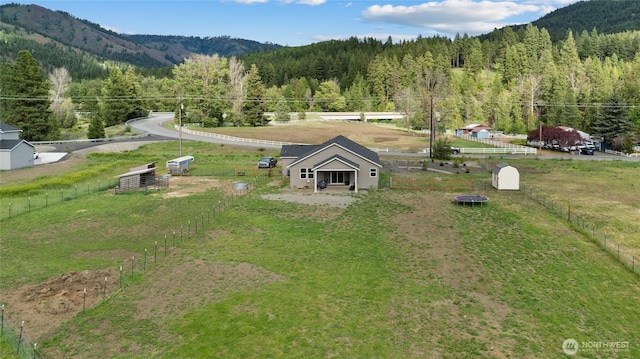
(540, 138)
(431, 134)
(180, 124)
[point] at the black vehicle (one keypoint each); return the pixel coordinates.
(267, 162)
(586, 151)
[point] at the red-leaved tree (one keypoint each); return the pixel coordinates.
(563, 136)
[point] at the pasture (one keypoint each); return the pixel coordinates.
(393, 274)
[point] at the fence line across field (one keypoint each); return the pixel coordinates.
(12, 207)
(136, 265)
(499, 147)
(625, 255)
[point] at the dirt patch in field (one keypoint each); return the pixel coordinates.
(45, 306)
(314, 199)
(183, 186)
(327, 206)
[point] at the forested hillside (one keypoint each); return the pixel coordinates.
(55, 34)
(607, 16)
(512, 81)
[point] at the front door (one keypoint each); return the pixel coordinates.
(339, 178)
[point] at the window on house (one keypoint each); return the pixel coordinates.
(306, 173)
(373, 172)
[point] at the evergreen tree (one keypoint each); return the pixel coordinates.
(96, 128)
(116, 99)
(282, 110)
(613, 121)
(356, 96)
(254, 106)
(25, 102)
(378, 77)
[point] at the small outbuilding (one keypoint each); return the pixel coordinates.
(480, 133)
(14, 152)
(137, 178)
(505, 177)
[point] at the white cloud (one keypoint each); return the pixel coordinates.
(251, 1)
(304, 2)
(117, 30)
(311, 2)
(470, 16)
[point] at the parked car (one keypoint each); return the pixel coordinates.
(455, 150)
(267, 162)
(587, 151)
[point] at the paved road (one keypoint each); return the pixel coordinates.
(157, 131)
(153, 125)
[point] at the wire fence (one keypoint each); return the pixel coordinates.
(630, 257)
(136, 265)
(16, 337)
(14, 206)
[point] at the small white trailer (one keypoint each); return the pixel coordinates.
(180, 165)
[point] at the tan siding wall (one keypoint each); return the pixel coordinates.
(284, 162)
(364, 179)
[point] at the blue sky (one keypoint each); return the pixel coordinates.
(302, 22)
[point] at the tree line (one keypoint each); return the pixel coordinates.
(513, 82)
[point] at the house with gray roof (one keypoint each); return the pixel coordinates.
(339, 163)
(14, 152)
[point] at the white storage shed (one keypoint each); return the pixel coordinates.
(505, 177)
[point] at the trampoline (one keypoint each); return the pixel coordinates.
(471, 199)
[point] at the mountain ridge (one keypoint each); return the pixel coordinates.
(141, 50)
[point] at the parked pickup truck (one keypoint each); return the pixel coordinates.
(267, 162)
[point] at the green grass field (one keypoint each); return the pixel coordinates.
(397, 274)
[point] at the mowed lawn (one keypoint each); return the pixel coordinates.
(397, 274)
